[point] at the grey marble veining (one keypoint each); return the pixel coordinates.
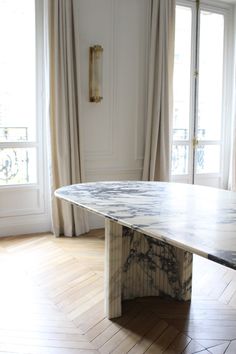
(137, 265)
(198, 219)
(152, 268)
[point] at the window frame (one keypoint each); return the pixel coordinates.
(227, 10)
(39, 209)
(39, 120)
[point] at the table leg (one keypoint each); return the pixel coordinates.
(153, 268)
(113, 268)
(138, 265)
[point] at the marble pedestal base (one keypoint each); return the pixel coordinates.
(138, 265)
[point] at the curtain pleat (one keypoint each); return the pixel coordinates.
(160, 91)
(64, 100)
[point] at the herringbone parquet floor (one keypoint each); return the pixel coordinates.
(51, 302)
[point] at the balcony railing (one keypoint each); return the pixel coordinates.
(183, 134)
(15, 134)
(14, 161)
(180, 152)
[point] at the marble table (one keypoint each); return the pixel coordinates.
(152, 229)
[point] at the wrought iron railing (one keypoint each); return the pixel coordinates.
(183, 134)
(180, 152)
(14, 161)
(13, 134)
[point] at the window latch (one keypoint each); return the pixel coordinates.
(195, 142)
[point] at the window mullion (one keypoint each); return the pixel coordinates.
(8, 145)
(196, 33)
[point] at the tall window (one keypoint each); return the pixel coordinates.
(199, 135)
(18, 134)
(23, 166)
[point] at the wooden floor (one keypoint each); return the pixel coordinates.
(51, 302)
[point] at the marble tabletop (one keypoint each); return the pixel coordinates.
(201, 220)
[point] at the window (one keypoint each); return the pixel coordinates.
(182, 74)
(18, 150)
(23, 167)
(200, 143)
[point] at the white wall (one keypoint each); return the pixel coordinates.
(114, 128)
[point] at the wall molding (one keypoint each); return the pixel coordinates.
(115, 129)
(141, 106)
(110, 50)
(112, 171)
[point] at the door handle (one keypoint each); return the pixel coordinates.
(195, 143)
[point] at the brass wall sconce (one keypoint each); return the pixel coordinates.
(95, 73)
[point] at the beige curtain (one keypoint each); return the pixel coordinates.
(64, 101)
(160, 95)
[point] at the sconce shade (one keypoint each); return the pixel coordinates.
(95, 73)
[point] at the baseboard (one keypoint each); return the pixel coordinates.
(25, 225)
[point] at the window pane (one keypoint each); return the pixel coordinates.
(208, 159)
(17, 166)
(17, 70)
(210, 75)
(182, 67)
(180, 155)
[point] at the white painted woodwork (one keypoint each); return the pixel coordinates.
(25, 208)
(113, 130)
(227, 9)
